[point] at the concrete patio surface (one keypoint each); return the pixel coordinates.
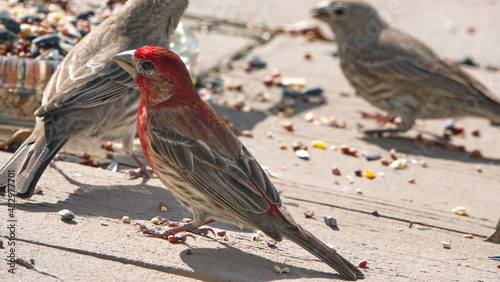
(402, 243)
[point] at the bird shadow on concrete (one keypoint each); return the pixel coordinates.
(411, 146)
(249, 267)
(138, 201)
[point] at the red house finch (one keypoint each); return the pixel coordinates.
(91, 95)
(398, 73)
(201, 161)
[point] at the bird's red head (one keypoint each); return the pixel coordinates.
(160, 75)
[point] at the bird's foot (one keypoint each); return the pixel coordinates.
(141, 173)
(381, 118)
(173, 228)
(143, 170)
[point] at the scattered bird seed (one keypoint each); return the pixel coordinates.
(336, 171)
(399, 164)
(359, 191)
(349, 179)
(460, 210)
(66, 215)
(287, 125)
(187, 220)
(318, 144)
(393, 154)
(411, 180)
(446, 245)
(188, 252)
(303, 154)
(369, 174)
(297, 145)
(476, 154)
(468, 236)
(221, 233)
(1, 244)
(126, 219)
(479, 169)
(363, 263)
(308, 213)
(384, 161)
(271, 243)
(162, 206)
(358, 173)
(247, 133)
(155, 221)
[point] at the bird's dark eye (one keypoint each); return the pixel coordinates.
(338, 12)
(147, 66)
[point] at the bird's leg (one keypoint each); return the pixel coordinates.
(143, 171)
(176, 227)
(381, 118)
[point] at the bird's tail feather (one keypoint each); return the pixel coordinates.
(309, 242)
(28, 163)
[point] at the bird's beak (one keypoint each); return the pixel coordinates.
(126, 61)
(320, 12)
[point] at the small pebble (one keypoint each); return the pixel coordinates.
(400, 229)
(372, 156)
(375, 213)
(285, 269)
(336, 171)
(1, 244)
(330, 221)
(359, 191)
(358, 173)
(476, 133)
(188, 252)
(308, 213)
(446, 245)
(126, 219)
(479, 169)
(66, 214)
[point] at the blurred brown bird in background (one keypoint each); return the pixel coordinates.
(90, 95)
(399, 74)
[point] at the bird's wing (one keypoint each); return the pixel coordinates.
(404, 61)
(77, 85)
(234, 181)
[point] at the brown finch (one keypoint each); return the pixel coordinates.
(399, 74)
(205, 166)
(91, 95)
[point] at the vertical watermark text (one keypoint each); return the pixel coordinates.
(11, 222)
